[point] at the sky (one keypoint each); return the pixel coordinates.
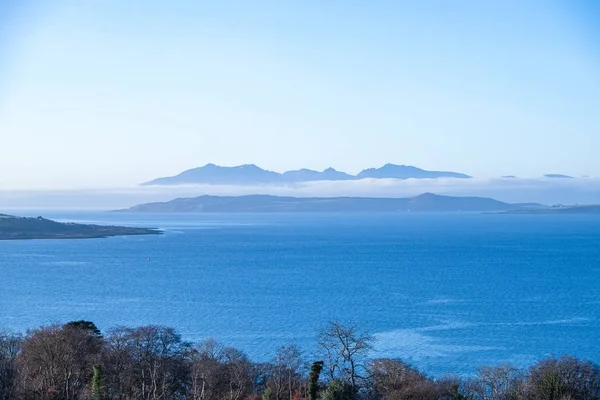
(99, 93)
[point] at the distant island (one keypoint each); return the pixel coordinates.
(584, 209)
(250, 174)
(12, 228)
(557, 176)
(427, 202)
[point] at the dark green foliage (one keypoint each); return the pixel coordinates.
(339, 390)
(84, 325)
(313, 379)
(98, 392)
(267, 394)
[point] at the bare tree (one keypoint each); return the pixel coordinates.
(210, 348)
(57, 362)
(146, 363)
(346, 348)
(503, 382)
(75, 362)
(10, 345)
(286, 375)
(498, 383)
(563, 378)
(239, 373)
(117, 363)
(207, 371)
(395, 380)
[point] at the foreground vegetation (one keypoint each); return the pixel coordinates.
(76, 361)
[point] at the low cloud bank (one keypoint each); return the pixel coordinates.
(544, 190)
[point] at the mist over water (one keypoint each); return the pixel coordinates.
(513, 190)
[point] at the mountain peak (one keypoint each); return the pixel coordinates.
(251, 174)
(390, 165)
(393, 171)
(427, 195)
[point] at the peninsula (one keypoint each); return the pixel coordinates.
(582, 209)
(426, 202)
(12, 228)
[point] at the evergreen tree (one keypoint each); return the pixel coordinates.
(267, 394)
(313, 379)
(339, 390)
(97, 384)
(84, 325)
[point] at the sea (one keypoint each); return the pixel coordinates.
(445, 292)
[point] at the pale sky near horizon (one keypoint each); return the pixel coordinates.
(108, 92)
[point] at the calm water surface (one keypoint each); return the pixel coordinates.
(447, 292)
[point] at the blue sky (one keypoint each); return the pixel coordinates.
(108, 92)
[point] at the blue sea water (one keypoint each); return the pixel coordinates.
(446, 292)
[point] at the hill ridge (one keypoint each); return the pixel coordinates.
(248, 174)
(261, 203)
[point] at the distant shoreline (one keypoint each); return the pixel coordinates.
(563, 210)
(426, 202)
(23, 228)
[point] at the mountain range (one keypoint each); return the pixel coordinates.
(250, 174)
(426, 202)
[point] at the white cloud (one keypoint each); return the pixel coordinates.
(543, 190)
